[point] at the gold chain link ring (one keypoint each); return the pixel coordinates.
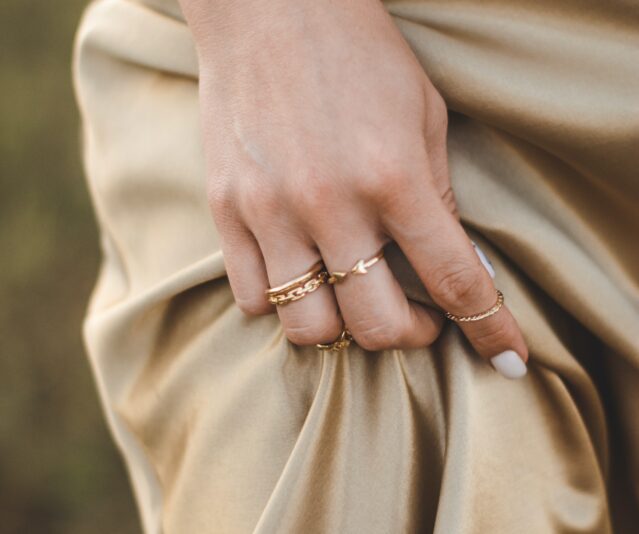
(479, 316)
(296, 293)
(298, 287)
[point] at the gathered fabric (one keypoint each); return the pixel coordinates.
(226, 427)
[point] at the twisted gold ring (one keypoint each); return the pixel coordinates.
(361, 267)
(343, 341)
(478, 316)
(298, 287)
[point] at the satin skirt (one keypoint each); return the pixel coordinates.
(226, 427)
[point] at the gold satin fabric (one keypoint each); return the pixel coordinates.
(228, 428)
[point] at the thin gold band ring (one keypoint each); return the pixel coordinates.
(298, 287)
(479, 316)
(316, 268)
(361, 267)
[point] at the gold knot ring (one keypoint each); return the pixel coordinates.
(343, 341)
(478, 316)
(298, 287)
(361, 267)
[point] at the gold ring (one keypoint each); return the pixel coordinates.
(316, 268)
(361, 267)
(343, 341)
(298, 287)
(478, 316)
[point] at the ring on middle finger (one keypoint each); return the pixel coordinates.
(361, 267)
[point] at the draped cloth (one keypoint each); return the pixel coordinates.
(226, 427)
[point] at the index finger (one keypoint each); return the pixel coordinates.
(443, 256)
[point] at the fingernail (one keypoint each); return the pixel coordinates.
(484, 259)
(509, 364)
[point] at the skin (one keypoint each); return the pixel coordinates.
(324, 138)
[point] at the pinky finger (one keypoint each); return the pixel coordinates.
(245, 269)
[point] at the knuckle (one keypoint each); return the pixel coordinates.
(457, 284)
(247, 292)
(385, 176)
(378, 335)
(220, 198)
(250, 305)
(310, 192)
(310, 333)
(433, 331)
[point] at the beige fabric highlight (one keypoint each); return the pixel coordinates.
(228, 428)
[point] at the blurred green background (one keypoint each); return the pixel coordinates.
(59, 471)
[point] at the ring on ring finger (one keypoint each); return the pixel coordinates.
(299, 287)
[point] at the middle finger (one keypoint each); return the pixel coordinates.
(372, 303)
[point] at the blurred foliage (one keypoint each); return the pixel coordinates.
(59, 471)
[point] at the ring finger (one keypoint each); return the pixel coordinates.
(314, 318)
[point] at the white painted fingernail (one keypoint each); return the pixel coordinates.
(509, 364)
(484, 259)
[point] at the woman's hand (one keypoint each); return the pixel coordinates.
(324, 138)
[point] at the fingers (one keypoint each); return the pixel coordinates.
(315, 317)
(245, 268)
(310, 320)
(373, 304)
(443, 257)
(258, 256)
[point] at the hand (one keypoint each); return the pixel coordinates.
(324, 138)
